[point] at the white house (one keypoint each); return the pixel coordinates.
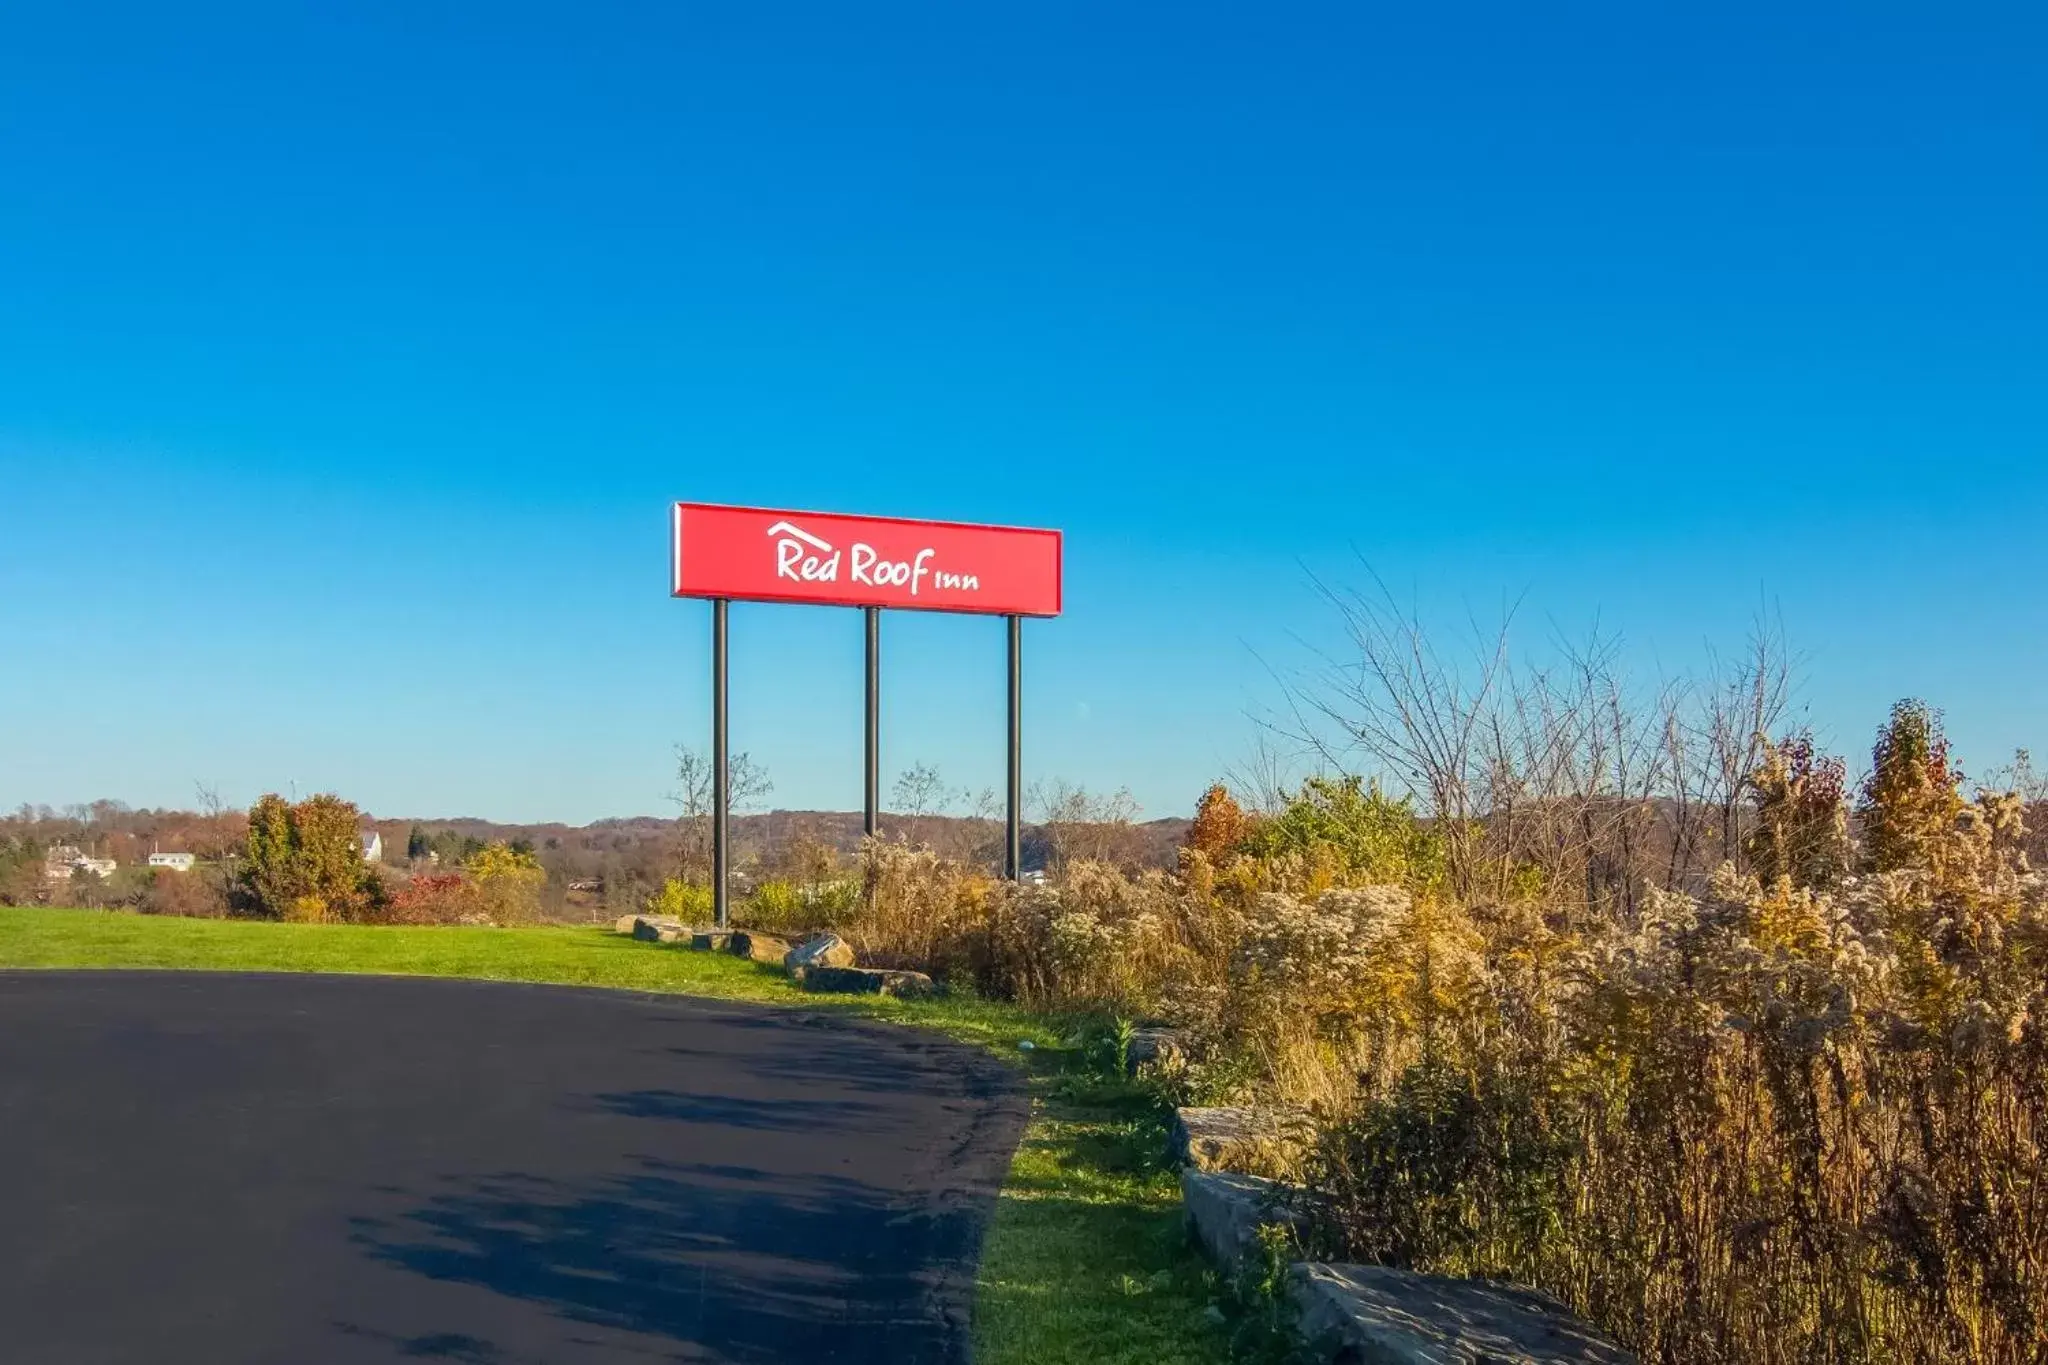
(176, 862)
(60, 862)
(373, 846)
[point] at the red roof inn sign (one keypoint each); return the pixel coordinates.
(758, 554)
(766, 556)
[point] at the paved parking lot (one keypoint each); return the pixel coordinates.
(297, 1170)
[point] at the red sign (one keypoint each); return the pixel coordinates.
(758, 555)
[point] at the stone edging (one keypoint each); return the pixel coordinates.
(823, 963)
(1363, 1314)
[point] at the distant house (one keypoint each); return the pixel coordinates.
(176, 862)
(373, 846)
(63, 860)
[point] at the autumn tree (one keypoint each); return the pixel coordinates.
(1219, 824)
(21, 871)
(1912, 796)
(1801, 828)
(186, 894)
(508, 882)
(433, 898)
(305, 861)
(1355, 833)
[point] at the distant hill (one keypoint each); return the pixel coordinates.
(641, 844)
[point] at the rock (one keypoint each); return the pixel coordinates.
(1376, 1314)
(1267, 1142)
(624, 924)
(658, 929)
(757, 947)
(710, 940)
(866, 981)
(1155, 1049)
(908, 985)
(826, 950)
(1226, 1211)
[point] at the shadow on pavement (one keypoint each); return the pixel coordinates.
(732, 1111)
(744, 1265)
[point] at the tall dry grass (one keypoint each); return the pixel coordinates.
(1765, 1126)
(1745, 1123)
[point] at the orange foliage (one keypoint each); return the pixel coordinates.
(1219, 824)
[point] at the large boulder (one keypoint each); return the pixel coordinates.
(757, 947)
(710, 940)
(826, 950)
(1249, 1141)
(624, 924)
(1374, 1313)
(1156, 1050)
(1226, 1211)
(658, 929)
(866, 981)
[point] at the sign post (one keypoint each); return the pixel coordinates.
(1013, 843)
(872, 823)
(721, 764)
(758, 554)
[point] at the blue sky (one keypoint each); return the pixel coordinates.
(348, 361)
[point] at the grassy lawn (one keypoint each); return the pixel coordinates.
(1085, 1262)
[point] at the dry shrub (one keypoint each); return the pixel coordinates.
(193, 895)
(1746, 1125)
(308, 910)
(436, 898)
(917, 909)
(1766, 1125)
(190, 894)
(1101, 939)
(498, 888)
(1352, 985)
(1305, 993)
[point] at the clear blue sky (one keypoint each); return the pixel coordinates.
(348, 362)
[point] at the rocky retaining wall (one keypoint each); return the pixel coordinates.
(1361, 1314)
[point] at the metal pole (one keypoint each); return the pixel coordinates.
(1013, 861)
(721, 768)
(873, 824)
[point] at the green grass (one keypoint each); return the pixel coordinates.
(1085, 1262)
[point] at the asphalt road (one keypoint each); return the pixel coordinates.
(303, 1170)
